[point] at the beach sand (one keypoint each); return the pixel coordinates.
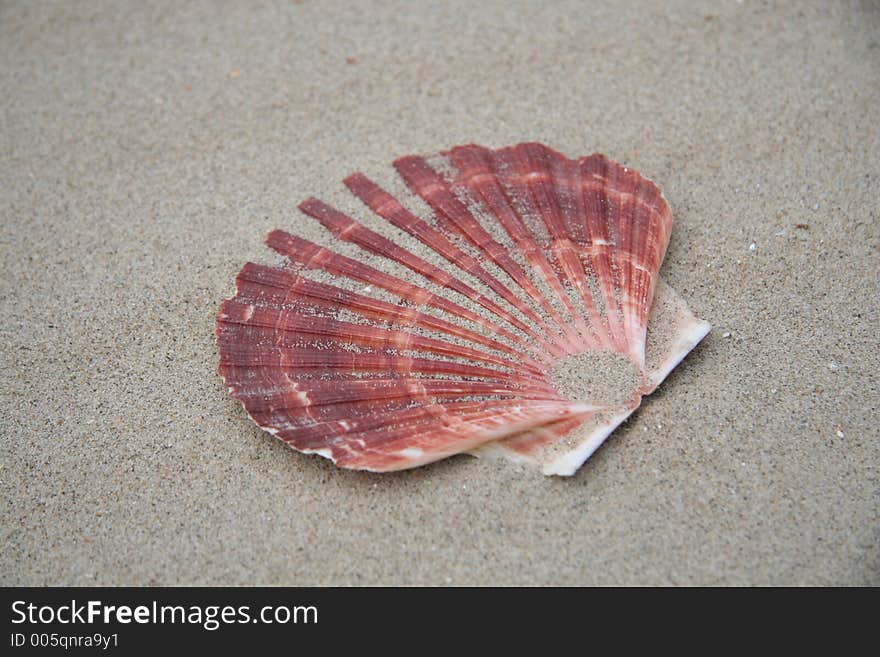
(146, 151)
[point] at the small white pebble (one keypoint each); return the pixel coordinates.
(839, 433)
(816, 207)
(726, 334)
(645, 428)
(780, 233)
(834, 366)
(773, 391)
(753, 246)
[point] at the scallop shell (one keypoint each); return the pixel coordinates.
(501, 307)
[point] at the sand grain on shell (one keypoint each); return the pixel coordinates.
(601, 377)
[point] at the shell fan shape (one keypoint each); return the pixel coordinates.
(504, 303)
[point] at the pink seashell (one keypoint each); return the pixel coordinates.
(514, 321)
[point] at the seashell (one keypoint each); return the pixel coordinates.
(508, 305)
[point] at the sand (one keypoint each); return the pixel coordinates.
(147, 149)
(598, 377)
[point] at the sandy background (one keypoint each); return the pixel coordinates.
(146, 150)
